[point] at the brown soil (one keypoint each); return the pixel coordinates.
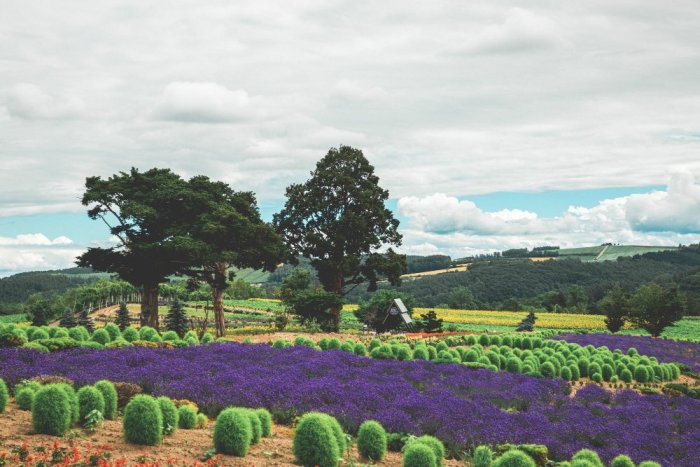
(184, 446)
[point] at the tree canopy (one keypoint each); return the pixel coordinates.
(339, 221)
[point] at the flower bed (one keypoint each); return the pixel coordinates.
(463, 407)
(665, 350)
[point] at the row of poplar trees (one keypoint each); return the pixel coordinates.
(165, 225)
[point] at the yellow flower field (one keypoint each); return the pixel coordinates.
(513, 318)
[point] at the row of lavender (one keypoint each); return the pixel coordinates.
(463, 407)
(665, 350)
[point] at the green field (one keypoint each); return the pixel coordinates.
(609, 253)
(17, 318)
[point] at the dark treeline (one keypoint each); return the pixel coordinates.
(569, 285)
(16, 289)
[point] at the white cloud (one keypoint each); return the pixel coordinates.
(350, 90)
(36, 252)
(655, 218)
(29, 101)
(521, 30)
(204, 102)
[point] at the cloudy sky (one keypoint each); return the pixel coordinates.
(493, 124)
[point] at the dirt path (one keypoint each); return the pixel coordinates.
(184, 446)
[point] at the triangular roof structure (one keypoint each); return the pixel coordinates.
(397, 308)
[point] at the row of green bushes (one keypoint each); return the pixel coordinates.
(53, 338)
(535, 357)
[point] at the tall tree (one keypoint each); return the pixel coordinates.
(339, 221)
(654, 307)
(176, 319)
(227, 230)
(144, 212)
(122, 320)
(615, 307)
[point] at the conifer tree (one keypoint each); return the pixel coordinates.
(176, 320)
(123, 320)
(86, 321)
(68, 319)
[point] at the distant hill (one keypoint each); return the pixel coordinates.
(17, 288)
(609, 252)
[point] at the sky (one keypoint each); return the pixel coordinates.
(493, 124)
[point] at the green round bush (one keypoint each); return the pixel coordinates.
(434, 444)
(566, 373)
(207, 338)
(90, 398)
(547, 370)
(59, 333)
(51, 411)
(649, 464)
(607, 372)
(360, 349)
(626, 376)
(588, 455)
(79, 333)
(191, 336)
(38, 334)
(149, 334)
(100, 336)
(315, 443)
(597, 377)
(419, 455)
(622, 461)
(403, 353)
(514, 365)
(170, 336)
(4, 395)
(641, 374)
(233, 432)
(371, 440)
(482, 457)
(514, 458)
(255, 425)
(130, 334)
(265, 421)
(202, 421)
(24, 398)
(72, 400)
(169, 413)
(143, 421)
(113, 331)
(187, 417)
(420, 353)
(581, 463)
(348, 347)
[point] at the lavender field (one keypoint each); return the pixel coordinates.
(462, 407)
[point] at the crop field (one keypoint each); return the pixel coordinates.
(513, 318)
(16, 318)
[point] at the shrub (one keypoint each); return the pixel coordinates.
(256, 426)
(371, 440)
(649, 464)
(588, 455)
(315, 443)
(514, 365)
(130, 334)
(24, 398)
(72, 401)
(79, 333)
(59, 333)
(36, 346)
(514, 458)
(396, 441)
(419, 455)
(403, 353)
(4, 395)
(420, 353)
(566, 373)
(125, 392)
(581, 463)
(482, 457)
(143, 421)
(265, 421)
(233, 432)
(100, 336)
(641, 374)
(207, 338)
(622, 461)
(348, 347)
(360, 349)
(547, 370)
(51, 411)
(597, 377)
(113, 331)
(187, 417)
(170, 336)
(191, 336)
(202, 421)
(38, 334)
(149, 334)
(89, 399)
(434, 444)
(169, 413)
(626, 376)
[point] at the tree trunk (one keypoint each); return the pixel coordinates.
(218, 285)
(218, 296)
(338, 284)
(149, 306)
